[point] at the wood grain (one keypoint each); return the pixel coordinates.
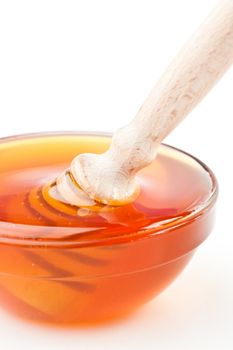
(110, 177)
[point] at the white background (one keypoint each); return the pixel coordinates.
(88, 65)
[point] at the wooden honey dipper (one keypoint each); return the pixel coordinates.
(109, 178)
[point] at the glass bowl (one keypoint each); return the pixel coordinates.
(108, 263)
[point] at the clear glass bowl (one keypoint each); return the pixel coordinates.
(102, 267)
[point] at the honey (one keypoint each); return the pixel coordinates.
(64, 264)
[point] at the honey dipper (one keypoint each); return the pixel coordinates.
(109, 178)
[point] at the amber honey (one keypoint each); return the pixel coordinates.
(63, 264)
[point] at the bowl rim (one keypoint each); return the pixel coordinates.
(125, 238)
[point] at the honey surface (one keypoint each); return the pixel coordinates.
(171, 187)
